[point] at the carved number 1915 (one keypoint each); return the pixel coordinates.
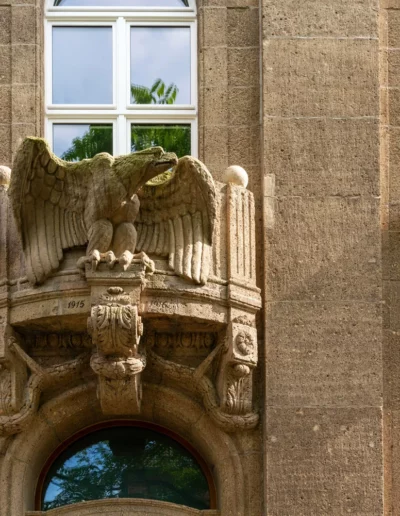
(76, 304)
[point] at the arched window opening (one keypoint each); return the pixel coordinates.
(125, 460)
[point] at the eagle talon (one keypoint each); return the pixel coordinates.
(111, 259)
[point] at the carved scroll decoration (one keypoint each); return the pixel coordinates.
(230, 403)
(18, 406)
(116, 328)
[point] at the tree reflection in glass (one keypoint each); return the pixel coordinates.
(126, 462)
(74, 142)
(171, 137)
(161, 52)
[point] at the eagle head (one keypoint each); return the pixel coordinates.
(134, 170)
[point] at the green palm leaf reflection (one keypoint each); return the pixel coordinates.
(99, 137)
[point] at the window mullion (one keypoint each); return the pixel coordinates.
(121, 85)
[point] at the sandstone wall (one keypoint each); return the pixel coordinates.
(323, 255)
(290, 90)
(21, 83)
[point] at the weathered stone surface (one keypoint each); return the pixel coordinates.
(24, 66)
(328, 355)
(325, 248)
(324, 461)
(320, 157)
(242, 27)
(5, 23)
(23, 27)
(314, 77)
(214, 23)
(337, 18)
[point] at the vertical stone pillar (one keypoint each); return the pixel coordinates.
(389, 39)
(323, 421)
(21, 55)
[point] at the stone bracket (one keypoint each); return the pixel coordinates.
(239, 358)
(116, 328)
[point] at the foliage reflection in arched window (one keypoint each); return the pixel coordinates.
(126, 462)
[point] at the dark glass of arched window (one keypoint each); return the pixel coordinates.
(126, 462)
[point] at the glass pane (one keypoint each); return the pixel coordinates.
(82, 65)
(126, 462)
(172, 138)
(160, 65)
(131, 3)
(74, 142)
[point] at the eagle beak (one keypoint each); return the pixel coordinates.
(167, 161)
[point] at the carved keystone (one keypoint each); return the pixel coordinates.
(116, 328)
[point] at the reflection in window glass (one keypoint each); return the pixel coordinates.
(126, 462)
(160, 54)
(171, 137)
(74, 142)
(131, 3)
(82, 65)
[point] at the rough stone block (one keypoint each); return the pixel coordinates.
(325, 248)
(393, 68)
(5, 24)
(394, 254)
(314, 77)
(5, 104)
(244, 66)
(320, 18)
(214, 27)
(391, 364)
(394, 471)
(244, 106)
(5, 147)
(324, 354)
(5, 64)
(23, 24)
(244, 148)
(394, 107)
(215, 67)
(24, 103)
(393, 28)
(24, 69)
(324, 462)
(243, 27)
(215, 106)
(322, 156)
(215, 150)
(394, 215)
(393, 302)
(393, 135)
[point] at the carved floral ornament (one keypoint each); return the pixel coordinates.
(161, 253)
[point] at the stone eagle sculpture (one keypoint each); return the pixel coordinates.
(104, 202)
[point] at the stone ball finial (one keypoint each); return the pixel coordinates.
(236, 175)
(5, 176)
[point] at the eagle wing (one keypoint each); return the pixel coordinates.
(48, 199)
(176, 219)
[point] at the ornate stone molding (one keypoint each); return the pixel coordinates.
(20, 395)
(196, 291)
(116, 328)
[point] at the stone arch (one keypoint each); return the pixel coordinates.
(65, 414)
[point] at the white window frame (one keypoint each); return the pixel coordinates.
(121, 113)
